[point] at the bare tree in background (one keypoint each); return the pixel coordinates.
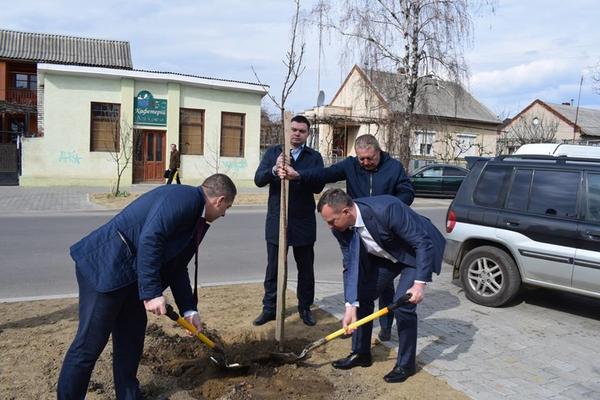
(117, 137)
(450, 147)
(526, 130)
(418, 39)
(293, 63)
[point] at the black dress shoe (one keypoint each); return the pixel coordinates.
(353, 360)
(263, 318)
(307, 317)
(384, 336)
(398, 374)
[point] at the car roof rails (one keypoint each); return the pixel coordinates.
(541, 157)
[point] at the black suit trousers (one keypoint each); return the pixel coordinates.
(305, 259)
(375, 275)
(120, 313)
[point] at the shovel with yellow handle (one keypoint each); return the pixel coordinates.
(218, 357)
(293, 357)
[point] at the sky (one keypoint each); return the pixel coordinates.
(522, 51)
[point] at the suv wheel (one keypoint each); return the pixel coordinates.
(489, 276)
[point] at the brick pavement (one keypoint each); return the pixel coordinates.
(19, 199)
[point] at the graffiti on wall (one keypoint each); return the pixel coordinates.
(237, 165)
(69, 157)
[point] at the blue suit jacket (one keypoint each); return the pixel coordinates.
(302, 225)
(388, 178)
(151, 241)
(409, 237)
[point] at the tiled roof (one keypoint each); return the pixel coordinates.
(435, 98)
(588, 119)
(61, 49)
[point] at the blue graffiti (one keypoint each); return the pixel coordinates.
(69, 157)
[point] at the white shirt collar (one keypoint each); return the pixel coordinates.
(359, 223)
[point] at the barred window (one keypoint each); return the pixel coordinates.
(232, 134)
(104, 129)
(191, 131)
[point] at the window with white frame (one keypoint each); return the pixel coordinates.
(468, 145)
(424, 143)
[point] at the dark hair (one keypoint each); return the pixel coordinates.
(302, 120)
(219, 185)
(367, 140)
(336, 199)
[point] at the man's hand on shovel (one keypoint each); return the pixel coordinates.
(194, 319)
(349, 318)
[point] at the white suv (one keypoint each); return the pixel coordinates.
(526, 219)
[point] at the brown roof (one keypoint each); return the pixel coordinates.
(60, 49)
(435, 98)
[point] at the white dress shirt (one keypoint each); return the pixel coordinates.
(371, 245)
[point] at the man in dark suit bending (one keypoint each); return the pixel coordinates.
(381, 238)
(122, 269)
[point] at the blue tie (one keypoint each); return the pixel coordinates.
(352, 268)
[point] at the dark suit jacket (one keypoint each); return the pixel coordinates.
(388, 178)
(302, 225)
(409, 237)
(151, 241)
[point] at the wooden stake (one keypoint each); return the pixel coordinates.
(282, 259)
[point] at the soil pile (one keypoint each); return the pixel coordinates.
(35, 335)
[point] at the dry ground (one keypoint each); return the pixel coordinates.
(34, 337)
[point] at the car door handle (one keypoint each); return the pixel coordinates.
(512, 223)
(592, 235)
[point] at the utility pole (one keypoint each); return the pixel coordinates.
(577, 110)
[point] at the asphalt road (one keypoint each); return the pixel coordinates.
(35, 261)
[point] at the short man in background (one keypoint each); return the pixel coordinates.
(174, 163)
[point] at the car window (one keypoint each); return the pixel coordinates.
(593, 198)
(491, 188)
(519, 192)
(554, 193)
(454, 172)
(432, 172)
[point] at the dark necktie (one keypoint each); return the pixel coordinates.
(201, 228)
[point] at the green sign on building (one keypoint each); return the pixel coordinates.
(148, 110)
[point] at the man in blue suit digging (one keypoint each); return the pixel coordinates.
(122, 269)
(382, 238)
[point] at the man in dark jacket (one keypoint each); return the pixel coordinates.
(122, 269)
(382, 238)
(371, 173)
(302, 228)
(174, 163)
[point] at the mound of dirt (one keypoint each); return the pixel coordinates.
(34, 337)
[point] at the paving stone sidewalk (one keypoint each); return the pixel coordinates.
(18, 199)
(545, 347)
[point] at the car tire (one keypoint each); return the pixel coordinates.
(489, 276)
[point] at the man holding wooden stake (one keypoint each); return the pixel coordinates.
(302, 227)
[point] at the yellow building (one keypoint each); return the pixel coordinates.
(73, 111)
(87, 111)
